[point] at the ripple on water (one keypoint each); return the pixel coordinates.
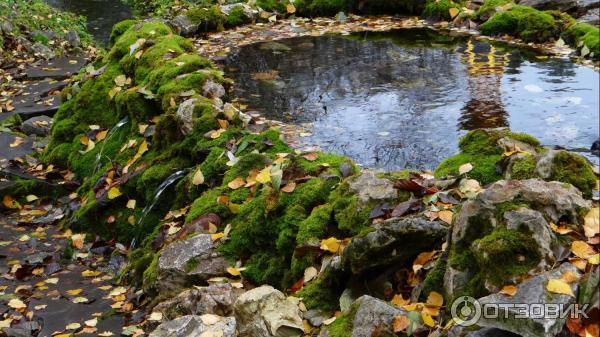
(403, 98)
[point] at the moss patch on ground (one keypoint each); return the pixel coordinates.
(584, 37)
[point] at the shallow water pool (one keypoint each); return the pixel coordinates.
(402, 99)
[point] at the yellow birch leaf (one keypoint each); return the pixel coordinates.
(131, 203)
(331, 245)
(427, 320)
(582, 249)
(198, 177)
(234, 271)
(446, 216)
(264, 176)
(113, 192)
(559, 287)
(591, 224)
(435, 299)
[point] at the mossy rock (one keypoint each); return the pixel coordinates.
(523, 22)
(584, 37)
(440, 9)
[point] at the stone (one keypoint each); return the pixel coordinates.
(540, 231)
(275, 46)
(491, 332)
(561, 5)
(194, 259)
(341, 17)
(369, 314)
(213, 89)
(193, 326)
(217, 299)
(265, 312)
(394, 241)
(315, 317)
(6, 28)
(369, 187)
(531, 291)
(20, 150)
(39, 126)
(511, 205)
(42, 50)
(184, 25)
(23, 329)
(248, 11)
(592, 17)
(185, 113)
(73, 39)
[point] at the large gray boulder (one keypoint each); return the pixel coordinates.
(217, 299)
(532, 291)
(369, 187)
(189, 261)
(185, 114)
(509, 221)
(184, 25)
(394, 241)
(197, 326)
(266, 312)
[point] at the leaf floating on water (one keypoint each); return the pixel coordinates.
(198, 177)
(73, 326)
(559, 287)
(17, 304)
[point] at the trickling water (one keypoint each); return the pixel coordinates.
(159, 191)
(120, 124)
(401, 99)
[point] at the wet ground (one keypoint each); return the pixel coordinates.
(403, 98)
(101, 15)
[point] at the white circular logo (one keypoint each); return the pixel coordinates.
(466, 311)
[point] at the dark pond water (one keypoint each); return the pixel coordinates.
(403, 98)
(101, 14)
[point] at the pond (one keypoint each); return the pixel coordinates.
(101, 14)
(402, 99)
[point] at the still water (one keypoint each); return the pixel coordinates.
(101, 14)
(402, 99)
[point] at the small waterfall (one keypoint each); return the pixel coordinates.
(98, 162)
(159, 191)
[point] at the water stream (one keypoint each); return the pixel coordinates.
(157, 193)
(403, 98)
(98, 162)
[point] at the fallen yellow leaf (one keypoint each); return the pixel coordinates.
(446, 216)
(559, 287)
(509, 290)
(582, 249)
(114, 192)
(331, 245)
(264, 176)
(236, 183)
(591, 224)
(198, 177)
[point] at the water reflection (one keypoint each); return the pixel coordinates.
(101, 14)
(402, 99)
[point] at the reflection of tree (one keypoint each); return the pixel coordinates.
(485, 67)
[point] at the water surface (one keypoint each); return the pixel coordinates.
(101, 14)
(403, 98)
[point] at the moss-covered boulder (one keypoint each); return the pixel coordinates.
(500, 154)
(584, 37)
(504, 234)
(523, 22)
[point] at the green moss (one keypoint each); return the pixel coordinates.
(479, 147)
(434, 281)
(315, 226)
(524, 22)
(342, 325)
(484, 167)
(523, 168)
(439, 9)
(517, 250)
(322, 7)
(208, 19)
(118, 30)
(150, 274)
(583, 34)
(324, 292)
(237, 17)
(207, 203)
(572, 168)
(489, 7)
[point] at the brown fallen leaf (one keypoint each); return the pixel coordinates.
(400, 323)
(509, 290)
